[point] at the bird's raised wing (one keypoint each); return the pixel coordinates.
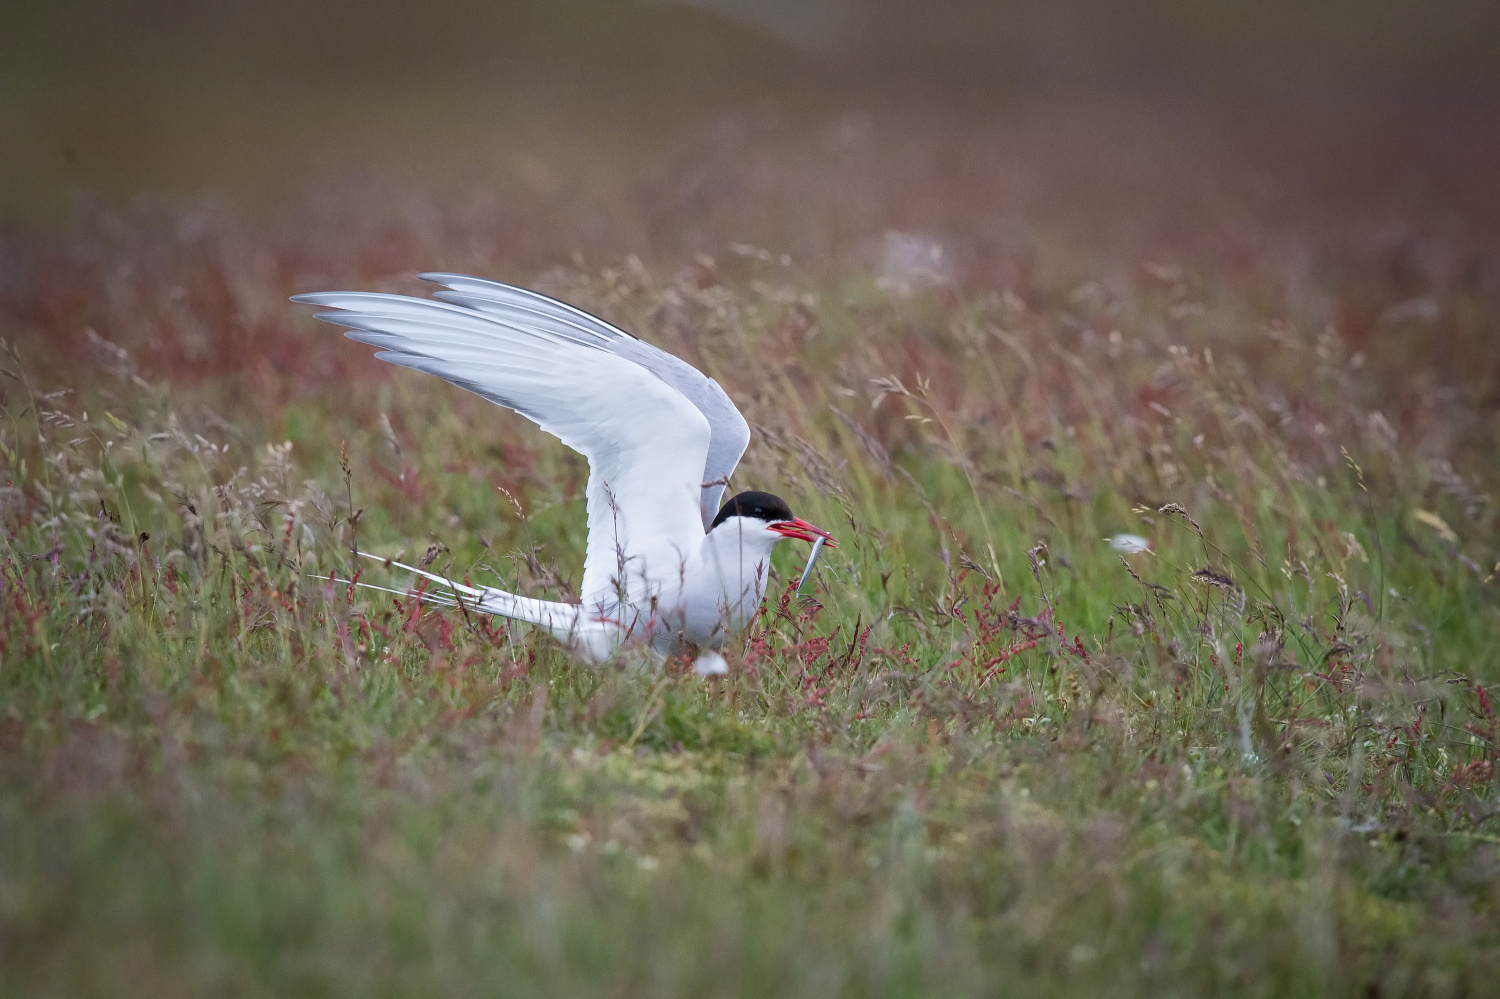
(731, 434)
(645, 442)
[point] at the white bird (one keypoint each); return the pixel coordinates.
(665, 567)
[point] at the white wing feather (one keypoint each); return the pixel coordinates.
(730, 432)
(646, 443)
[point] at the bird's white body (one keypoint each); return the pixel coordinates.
(660, 570)
(694, 603)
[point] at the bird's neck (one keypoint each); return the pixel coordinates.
(737, 564)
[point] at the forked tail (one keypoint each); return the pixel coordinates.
(564, 621)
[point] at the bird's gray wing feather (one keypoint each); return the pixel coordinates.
(530, 309)
(644, 441)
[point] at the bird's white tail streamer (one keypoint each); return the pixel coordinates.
(811, 560)
(460, 595)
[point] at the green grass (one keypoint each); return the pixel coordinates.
(989, 755)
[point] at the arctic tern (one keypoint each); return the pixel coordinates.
(666, 567)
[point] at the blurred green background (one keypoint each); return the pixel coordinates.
(116, 98)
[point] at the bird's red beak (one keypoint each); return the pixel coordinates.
(802, 531)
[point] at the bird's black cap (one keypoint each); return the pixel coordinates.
(762, 506)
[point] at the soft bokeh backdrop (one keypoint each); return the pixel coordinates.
(180, 96)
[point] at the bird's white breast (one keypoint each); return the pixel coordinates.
(710, 594)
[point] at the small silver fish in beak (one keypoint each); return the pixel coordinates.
(812, 558)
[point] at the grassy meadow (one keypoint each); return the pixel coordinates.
(986, 753)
